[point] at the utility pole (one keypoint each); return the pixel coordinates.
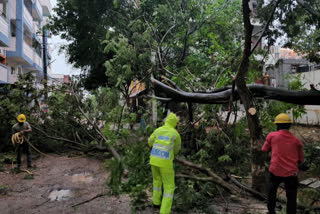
(44, 64)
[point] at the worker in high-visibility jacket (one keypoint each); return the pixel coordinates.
(166, 143)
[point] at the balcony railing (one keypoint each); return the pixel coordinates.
(27, 16)
(4, 26)
(27, 50)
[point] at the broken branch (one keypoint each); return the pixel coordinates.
(215, 178)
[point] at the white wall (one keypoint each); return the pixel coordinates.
(311, 77)
(27, 50)
(13, 77)
(13, 9)
(3, 74)
(312, 115)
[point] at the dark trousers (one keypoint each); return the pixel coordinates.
(291, 186)
(23, 148)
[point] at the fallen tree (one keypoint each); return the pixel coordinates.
(229, 94)
(222, 95)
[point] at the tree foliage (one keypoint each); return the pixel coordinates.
(197, 40)
(83, 23)
(297, 23)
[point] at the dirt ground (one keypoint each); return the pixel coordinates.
(307, 134)
(60, 183)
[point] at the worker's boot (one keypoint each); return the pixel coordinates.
(29, 165)
(156, 206)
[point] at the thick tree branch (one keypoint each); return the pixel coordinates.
(311, 97)
(163, 99)
(247, 189)
(195, 177)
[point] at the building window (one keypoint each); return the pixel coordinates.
(13, 28)
(303, 68)
(4, 8)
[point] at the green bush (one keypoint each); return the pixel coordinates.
(223, 148)
(190, 194)
(136, 159)
(312, 158)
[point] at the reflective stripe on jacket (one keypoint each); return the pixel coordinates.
(165, 142)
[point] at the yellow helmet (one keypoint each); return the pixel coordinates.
(282, 118)
(21, 118)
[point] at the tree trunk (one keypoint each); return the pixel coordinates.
(222, 95)
(257, 165)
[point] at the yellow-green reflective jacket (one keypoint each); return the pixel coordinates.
(165, 142)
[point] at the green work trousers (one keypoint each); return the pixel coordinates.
(163, 177)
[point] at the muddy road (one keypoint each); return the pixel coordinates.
(58, 185)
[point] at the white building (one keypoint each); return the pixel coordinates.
(21, 38)
(284, 63)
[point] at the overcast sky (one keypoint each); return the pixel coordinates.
(60, 64)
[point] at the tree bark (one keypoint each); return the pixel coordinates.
(222, 95)
(258, 157)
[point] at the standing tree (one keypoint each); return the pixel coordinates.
(83, 23)
(298, 25)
